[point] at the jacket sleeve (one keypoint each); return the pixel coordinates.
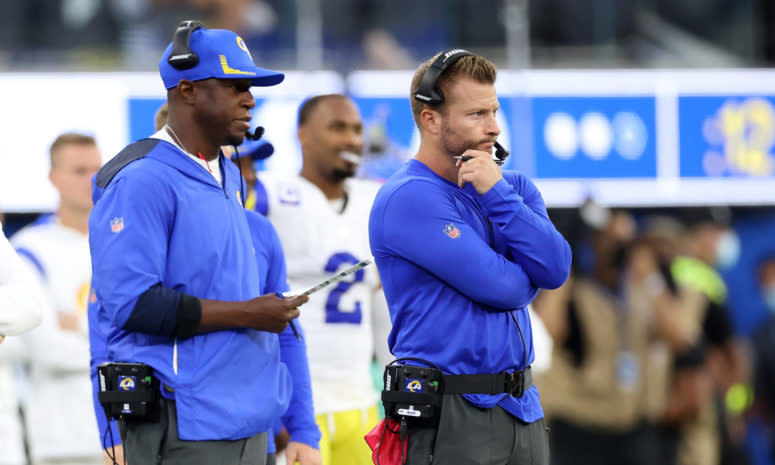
(413, 227)
(517, 210)
(128, 238)
(299, 419)
(277, 276)
(21, 298)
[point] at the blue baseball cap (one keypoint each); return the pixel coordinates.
(222, 55)
(255, 149)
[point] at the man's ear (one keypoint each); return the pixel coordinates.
(301, 134)
(431, 120)
(186, 91)
(53, 178)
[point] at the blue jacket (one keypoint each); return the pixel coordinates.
(455, 266)
(299, 419)
(160, 219)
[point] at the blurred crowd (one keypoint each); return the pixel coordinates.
(360, 34)
(97, 34)
(647, 366)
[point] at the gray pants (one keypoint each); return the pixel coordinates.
(158, 443)
(471, 435)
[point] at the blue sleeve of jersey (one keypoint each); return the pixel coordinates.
(299, 419)
(278, 427)
(128, 231)
(516, 208)
(413, 226)
(277, 276)
(262, 198)
(271, 447)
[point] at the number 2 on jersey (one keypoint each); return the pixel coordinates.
(333, 313)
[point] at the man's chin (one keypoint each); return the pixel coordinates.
(235, 140)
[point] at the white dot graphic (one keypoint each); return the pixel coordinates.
(560, 135)
(630, 135)
(596, 135)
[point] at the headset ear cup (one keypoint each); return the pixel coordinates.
(427, 92)
(438, 96)
(182, 57)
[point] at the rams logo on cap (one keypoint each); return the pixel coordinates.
(241, 44)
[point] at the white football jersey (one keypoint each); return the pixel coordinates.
(321, 238)
(58, 407)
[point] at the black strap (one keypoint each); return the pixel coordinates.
(512, 383)
(415, 398)
(125, 396)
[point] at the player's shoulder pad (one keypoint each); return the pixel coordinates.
(131, 153)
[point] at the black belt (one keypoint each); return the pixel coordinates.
(512, 383)
(502, 383)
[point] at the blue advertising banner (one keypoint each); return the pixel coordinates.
(594, 137)
(726, 136)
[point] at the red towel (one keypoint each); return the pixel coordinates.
(385, 442)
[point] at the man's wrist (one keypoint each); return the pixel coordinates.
(310, 438)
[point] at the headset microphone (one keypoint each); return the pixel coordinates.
(256, 134)
(500, 153)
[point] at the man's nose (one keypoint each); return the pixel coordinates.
(355, 139)
(250, 102)
(492, 126)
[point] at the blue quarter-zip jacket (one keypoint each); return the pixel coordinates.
(456, 265)
(160, 219)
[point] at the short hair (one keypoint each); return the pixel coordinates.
(309, 105)
(471, 66)
(160, 118)
(68, 138)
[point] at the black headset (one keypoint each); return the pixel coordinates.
(431, 95)
(182, 57)
(427, 92)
